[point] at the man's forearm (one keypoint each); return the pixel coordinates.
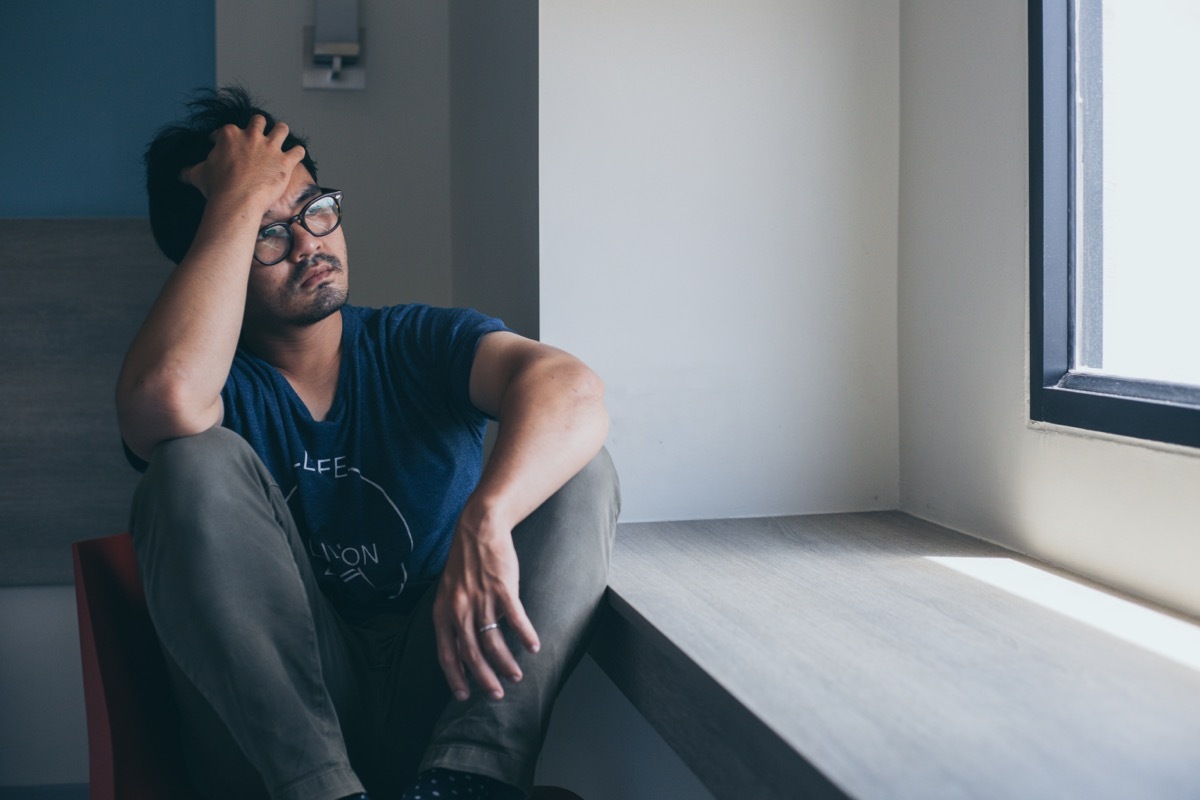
(553, 421)
(175, 368)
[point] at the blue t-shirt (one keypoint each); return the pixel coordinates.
(377, 486)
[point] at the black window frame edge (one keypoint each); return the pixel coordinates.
(1141, 409)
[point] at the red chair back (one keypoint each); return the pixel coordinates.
(134, 748)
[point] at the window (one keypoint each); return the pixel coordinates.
(1114, 202)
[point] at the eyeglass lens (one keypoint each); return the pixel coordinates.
(319, 217)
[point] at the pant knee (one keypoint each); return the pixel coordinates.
(195, 459)
(198, 469)
(596, 485)
(195, 482)
(566, 544)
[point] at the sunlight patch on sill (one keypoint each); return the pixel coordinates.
(1149, 629)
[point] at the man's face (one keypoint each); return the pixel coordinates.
(312, 282)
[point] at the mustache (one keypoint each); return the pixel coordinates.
(333, 262)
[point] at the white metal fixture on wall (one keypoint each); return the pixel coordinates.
(333, 48)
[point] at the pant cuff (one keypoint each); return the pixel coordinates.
(494, 764)
(337, 782)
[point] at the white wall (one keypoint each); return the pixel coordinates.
(1123, 513)
(387, 147)
(718, 239)
(601, 748)
(43, 735)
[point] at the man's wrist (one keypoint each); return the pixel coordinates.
(484, 517)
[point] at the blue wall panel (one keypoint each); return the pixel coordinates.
(86, 84)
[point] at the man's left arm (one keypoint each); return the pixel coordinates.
(552, 422)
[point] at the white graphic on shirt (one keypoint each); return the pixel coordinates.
(353, 558)
(347, 563)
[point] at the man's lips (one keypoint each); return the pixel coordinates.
(315, 274)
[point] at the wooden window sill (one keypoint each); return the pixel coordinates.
(828, 656)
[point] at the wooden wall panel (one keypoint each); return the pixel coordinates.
(73, 294)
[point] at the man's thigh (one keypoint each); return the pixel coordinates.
(397, 667)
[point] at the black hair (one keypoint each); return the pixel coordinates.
(175, 206)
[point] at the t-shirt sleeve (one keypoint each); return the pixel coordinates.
(440, 344)
(230, 394)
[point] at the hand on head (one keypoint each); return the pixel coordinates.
(246, 163)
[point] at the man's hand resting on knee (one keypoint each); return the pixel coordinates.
(477, 599)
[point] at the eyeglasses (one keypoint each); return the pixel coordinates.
(320, 216)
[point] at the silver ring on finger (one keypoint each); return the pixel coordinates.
(491, 626)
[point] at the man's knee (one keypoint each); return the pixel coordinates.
(578, 517)
(196, 476)
(189, 458)
(194, 467)
(597, 483)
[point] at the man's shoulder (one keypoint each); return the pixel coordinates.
(419, 317)
(391, 313)
(385, 322)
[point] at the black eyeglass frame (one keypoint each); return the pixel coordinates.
(336, 194)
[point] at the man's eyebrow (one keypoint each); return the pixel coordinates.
(310, 191)
(306, 194)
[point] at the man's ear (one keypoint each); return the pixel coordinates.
(193, 176)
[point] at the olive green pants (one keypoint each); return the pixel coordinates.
(280, 697)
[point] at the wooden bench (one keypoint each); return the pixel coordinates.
(833, 656)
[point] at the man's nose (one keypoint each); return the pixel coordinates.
(304, 244)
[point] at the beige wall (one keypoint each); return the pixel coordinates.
(387, 147)
(493, 158)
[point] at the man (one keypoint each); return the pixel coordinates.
(347, 602)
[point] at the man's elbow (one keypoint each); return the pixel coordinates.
(150, 411)
(587, 384)
(589, 389)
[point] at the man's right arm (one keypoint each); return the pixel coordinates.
(170, 383)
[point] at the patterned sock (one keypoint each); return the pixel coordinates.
(448, 784)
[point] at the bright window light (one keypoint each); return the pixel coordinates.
(1137, 277)
(1152, 630)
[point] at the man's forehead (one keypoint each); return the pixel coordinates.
(296, 195)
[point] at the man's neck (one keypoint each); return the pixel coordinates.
(309, 357)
